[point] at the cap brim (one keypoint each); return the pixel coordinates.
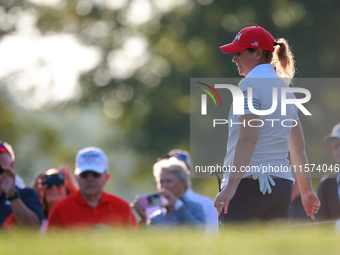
(327, 138)
(78, 171)
(232, 48)
(330, 137)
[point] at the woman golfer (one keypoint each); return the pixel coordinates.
(259, 187)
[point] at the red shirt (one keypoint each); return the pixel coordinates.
(74, 212)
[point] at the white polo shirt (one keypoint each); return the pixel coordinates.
(272, 146)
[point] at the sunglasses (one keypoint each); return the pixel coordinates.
(85, 174)
(335, 144)
(179, 156)
(1, 170)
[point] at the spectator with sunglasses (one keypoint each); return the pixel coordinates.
(91, 207)
(18, 205)
(329, 187)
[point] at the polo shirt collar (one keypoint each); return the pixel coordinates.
(262, 71)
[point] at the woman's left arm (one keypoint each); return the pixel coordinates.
(298, 158)
(244, 150)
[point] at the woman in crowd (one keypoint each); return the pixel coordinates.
(53, 186)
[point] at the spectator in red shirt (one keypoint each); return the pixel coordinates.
(91, 207)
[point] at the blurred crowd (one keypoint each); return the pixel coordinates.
(55, 201)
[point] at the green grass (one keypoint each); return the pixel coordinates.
(246, 239)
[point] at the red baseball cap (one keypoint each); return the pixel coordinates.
(254, 37)
(6, 148)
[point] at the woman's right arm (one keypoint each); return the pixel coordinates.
(244, 150)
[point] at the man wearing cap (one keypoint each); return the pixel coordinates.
(91, 207)
(329, 187)
(21, 205)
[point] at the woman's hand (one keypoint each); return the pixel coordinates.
(223, 198)
(310, 203)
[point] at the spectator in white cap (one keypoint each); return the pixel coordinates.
(91, 207)
(206, 203)
(329, 187)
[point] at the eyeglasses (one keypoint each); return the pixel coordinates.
(85, 174)
(335, 145)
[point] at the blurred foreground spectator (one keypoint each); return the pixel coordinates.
(206, 203)
(172, 178)
(18, 206)
(53, 186)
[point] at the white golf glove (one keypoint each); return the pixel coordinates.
(265, 181)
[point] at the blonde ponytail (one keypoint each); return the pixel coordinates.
(283, 59)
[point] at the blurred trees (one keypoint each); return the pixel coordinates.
(149, 49)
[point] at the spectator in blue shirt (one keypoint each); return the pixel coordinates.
(18, 207)
(172, 178)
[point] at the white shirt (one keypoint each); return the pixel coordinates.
(272, 146)
(211, 219)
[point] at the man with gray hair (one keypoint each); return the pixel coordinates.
(172, 178)
(207, 204)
